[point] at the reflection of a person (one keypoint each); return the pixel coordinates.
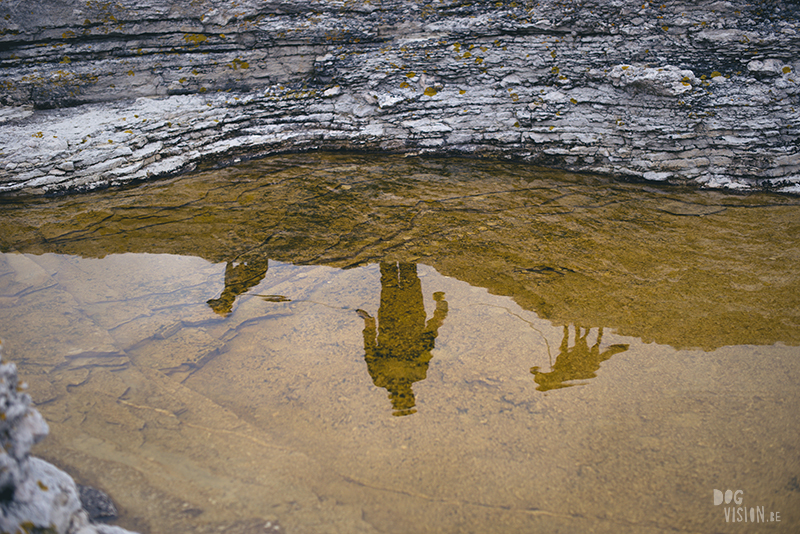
(579, 362)
(238, 279)
(398, 353)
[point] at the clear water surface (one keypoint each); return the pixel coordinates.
(344, 343)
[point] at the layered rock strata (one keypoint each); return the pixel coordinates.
(35, 496)
(103, 93)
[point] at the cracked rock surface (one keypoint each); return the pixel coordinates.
(97, 94)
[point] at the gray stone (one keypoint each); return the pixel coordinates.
(96, 503)
(33, 493)
(120, 85)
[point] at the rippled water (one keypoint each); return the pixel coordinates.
(350, 343)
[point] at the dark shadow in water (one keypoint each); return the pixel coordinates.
(239, 278)
(579, 362)
(399, 349)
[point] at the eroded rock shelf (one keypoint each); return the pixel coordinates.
(97, 94)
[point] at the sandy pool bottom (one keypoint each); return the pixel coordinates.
(286, 411)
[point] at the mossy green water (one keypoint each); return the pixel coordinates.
(680, 267)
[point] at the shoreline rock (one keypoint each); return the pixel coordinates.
(698, 93)
(35, 496)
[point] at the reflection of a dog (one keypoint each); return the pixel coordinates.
(398, 349)
(579, 362)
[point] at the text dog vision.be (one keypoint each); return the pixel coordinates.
(740, 514)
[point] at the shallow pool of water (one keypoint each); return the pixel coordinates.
(350, 343)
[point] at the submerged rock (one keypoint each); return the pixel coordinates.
(96, 503)
(35, 496)
(704, 92)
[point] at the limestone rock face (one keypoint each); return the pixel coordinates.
(102, 93)
(35, 496)
(20, 428)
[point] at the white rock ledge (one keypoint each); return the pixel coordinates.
(703, 93)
